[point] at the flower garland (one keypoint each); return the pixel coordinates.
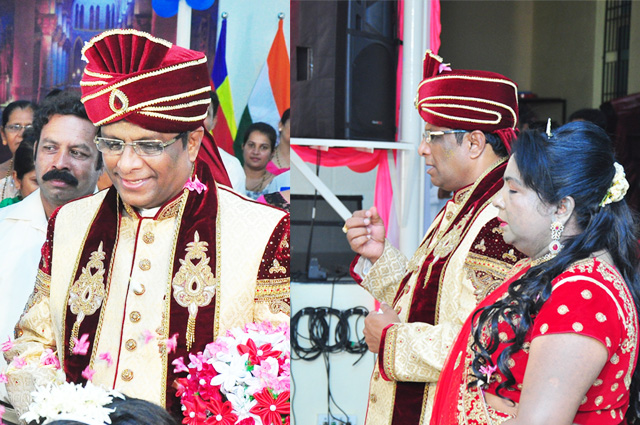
(68, 401)
(241, 378)
(618, 188)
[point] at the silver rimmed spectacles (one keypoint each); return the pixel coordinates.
(141, 147)
(428, 136)
(16, 128)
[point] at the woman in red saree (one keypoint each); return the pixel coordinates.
(557, 343)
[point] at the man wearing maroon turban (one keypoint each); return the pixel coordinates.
(168, 254)
(470, 117)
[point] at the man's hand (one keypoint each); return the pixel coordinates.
(365, 233)
(375, 322)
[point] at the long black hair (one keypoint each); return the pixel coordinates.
(577, 161)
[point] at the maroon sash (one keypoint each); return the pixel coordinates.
(424, 305)
(199, 214)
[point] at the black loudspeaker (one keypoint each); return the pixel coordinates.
(343, 84)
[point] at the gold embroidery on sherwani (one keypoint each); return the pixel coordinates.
(194, 285)
(284, 243)
(272, 292)
(277, 268)
(485, 273)
(87, 293)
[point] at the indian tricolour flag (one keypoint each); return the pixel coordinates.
(270, 95)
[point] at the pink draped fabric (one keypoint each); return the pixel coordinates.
(360, 162)
(435, 27)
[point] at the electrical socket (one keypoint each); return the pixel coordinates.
(323, 419)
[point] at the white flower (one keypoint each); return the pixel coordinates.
(242, 403)
(619, 187)
(71, 402)
(230, 373)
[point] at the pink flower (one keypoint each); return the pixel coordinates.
(195, 184)
(88, 373)
(1, 413)
(106, 357)
(196, 361)
(19, 363)
(3, 378)
(149, 335)
(49, 358)
(8, 345)
(172, 343)
(179, 366)
(488, 370)
(443, 67)
(81, 345)
(218, 346)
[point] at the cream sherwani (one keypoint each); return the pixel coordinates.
(138, 299)
(413, 352)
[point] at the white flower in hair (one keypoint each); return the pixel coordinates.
(618, 188)
(69, 401)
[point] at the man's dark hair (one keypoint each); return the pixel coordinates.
(264, 128)
(595, 116)
(18, 104)
(493, 140)
(63, 103)
(215, 102)
(23, 158)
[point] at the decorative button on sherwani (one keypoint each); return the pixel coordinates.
(138, 289)
(127, 375)
(135, 316)
(144, 264)
(148, 238)
(131, 344)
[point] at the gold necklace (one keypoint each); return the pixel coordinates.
(258, 187)
(6, 178)
(276, 157)
(548, 256)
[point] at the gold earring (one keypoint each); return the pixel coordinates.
(556, 232)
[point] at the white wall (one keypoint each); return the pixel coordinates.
(349, 384)
(251, 28)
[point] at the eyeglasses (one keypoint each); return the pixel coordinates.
(140, 147)
(15, 128)
(428, 136)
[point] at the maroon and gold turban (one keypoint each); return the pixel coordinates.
(146, 80)
(467, 100)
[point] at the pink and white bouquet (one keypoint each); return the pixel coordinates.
(243, 378)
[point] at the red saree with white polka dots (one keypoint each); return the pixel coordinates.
(589, 298)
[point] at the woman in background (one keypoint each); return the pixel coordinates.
(24, 172)
(557, 343)
(16, 117)
(257, 150)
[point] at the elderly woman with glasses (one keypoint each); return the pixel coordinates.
(557, 342)
(16, 117)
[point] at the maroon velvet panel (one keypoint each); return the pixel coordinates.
(104, 228)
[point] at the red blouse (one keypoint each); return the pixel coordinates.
(590, 298)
